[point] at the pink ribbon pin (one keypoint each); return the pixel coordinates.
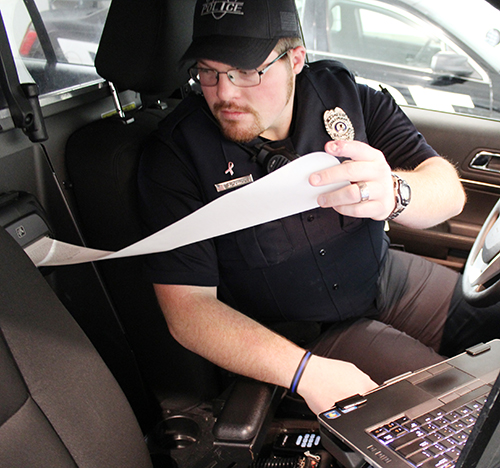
(229, 169)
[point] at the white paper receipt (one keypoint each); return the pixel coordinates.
(287, 187)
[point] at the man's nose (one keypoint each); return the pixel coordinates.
(226, 89)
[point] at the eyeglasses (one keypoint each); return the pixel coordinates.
(237, 76)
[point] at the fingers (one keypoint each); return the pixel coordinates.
(351, 201)
(365, 163)
(371, 193)
(356, 193)
(356, 150)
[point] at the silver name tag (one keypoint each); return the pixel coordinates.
(234, 183)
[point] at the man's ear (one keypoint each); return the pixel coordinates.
(298, 58)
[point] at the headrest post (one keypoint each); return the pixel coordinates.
(118, 104)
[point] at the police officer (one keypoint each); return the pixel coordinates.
(315, 302)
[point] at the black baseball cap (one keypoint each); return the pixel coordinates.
(240, 33)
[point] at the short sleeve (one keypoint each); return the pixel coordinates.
(168, 191)
(390, 130)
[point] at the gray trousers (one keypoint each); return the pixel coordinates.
(421, 317)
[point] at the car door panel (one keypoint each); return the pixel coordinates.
(459, 138)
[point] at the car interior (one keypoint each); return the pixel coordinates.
(89, 373)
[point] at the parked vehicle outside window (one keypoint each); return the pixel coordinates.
(417, 50)
(54, 42)
(436, 55)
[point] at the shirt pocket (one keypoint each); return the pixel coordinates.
(256, 247)
(350, 224)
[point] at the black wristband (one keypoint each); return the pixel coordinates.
(300, 370)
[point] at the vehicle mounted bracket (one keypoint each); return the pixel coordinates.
(22, 99)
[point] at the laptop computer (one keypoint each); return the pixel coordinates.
(443, 416)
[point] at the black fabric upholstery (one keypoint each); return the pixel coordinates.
(142, 43)
(102, 160)
(59, 404)
(140, 47)
(12, 386)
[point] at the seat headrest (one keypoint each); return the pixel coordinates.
(142, 43)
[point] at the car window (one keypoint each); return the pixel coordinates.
(420, 51)
(382, 37)
(54, 42)
(391, 39)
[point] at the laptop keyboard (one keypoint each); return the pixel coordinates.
(435, 439)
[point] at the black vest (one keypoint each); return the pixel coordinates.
(315, 266)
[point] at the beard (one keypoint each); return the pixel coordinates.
(234, 130)
(243, 133)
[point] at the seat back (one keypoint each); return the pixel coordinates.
(139, 50)
(102, 160)
(141, 44)
(59, 404)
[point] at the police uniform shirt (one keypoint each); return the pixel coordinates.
(314, 266)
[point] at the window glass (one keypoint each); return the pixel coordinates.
(443, 55)
(299, 4)
(57, 52)
(391, 39)
(336, 19)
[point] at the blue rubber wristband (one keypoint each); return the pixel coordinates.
(300, 371)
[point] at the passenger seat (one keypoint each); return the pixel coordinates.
(59, 404)
(140, 48)
(137, 52)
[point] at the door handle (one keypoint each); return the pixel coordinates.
(486, 161)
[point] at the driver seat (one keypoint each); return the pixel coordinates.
(59, 404)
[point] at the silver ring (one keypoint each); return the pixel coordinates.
(364, 193)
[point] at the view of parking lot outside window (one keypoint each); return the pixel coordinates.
(74, 28)
(442, 55)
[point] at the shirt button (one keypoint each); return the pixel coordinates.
(310, 218)
(335, 286)
(322, 252)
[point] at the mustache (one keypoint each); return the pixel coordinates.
(228, 106)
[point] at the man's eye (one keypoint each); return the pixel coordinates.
(245, 72)
(205, 71)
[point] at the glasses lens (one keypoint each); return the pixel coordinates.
(204, 76)
(244, 78)
(241, 78)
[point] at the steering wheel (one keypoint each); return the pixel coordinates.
(481, 278)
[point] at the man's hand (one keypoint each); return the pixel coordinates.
(326, 381)
(436, 191)
(368, 167)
